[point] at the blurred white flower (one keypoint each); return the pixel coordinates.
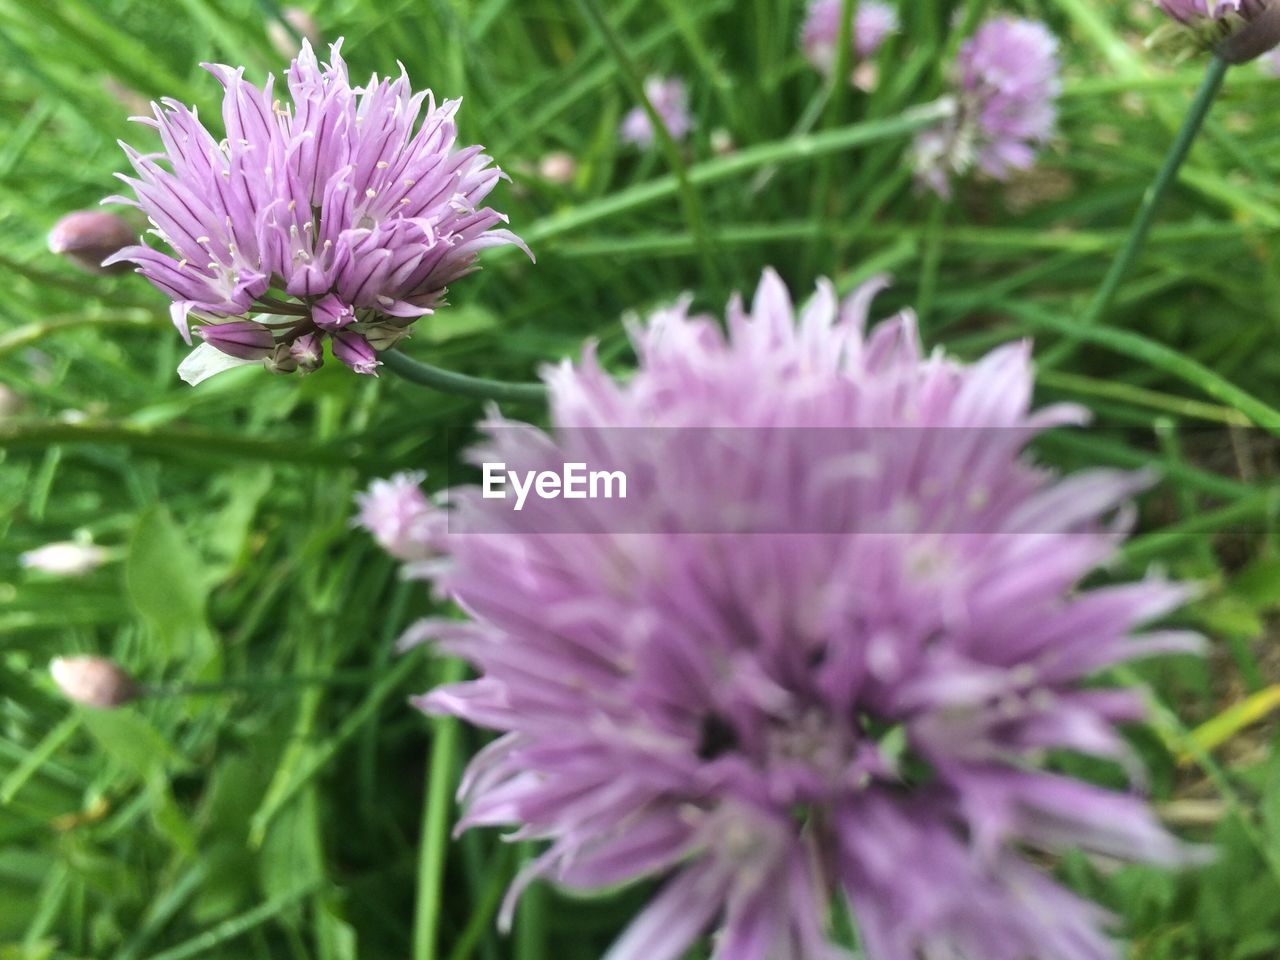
(65, 559)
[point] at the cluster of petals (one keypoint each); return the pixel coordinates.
(669, 98)
(1006, 85)
(873, 23)
(766, 717)
(334, 214)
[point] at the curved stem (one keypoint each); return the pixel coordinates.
(1146, 215)
(446, 381)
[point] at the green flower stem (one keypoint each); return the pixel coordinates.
(635, 85)
(1146, 215)
(436, 812)
(837, 94)
(931, 258)
(446, 381)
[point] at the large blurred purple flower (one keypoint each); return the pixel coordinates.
(1006, 85)
(873, 22)
(340, 201)
(769, 719)
(670, 100)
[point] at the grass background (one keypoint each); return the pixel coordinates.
(284, 817)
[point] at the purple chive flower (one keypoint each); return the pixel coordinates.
(1239, 30)
(873, 22)
(1006, 85)
(336, 196)
(88, 237)
(768, 719)
(670, 99)
(400, 517)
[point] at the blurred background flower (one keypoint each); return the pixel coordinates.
(670, 99)
(1006, 86)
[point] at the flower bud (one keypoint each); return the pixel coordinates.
(243, 339)
(558, 167)
(307, 352)
(1238, 30)
(93, 681)
(281, 359)
(302, 23)
(330, 313)
(11, 402)
(356, 352)
(87, 237)
(66, 559)
(384, 334)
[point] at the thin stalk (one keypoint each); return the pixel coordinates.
(436, 811)
(931, 259)
(1142, 222)
(446, 381)
(635, 84)
(838, 86)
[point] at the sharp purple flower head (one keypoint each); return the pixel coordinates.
(1005, 86)
(337, 196)
(768, 719)
(670, 100)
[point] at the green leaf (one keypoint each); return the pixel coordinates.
(166, 583)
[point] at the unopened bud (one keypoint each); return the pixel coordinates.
(11, 402)
(243, 339)
(87, 237)
(93, 681)
(65, 559)
(330, 313)
(1259, 35)
(721, 142)
(308, 352)
(281, 359)
(356, 352)
(384, 334)
(302, 23)
(558, 167)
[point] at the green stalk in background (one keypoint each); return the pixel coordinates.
(436, 809)
(635, 86)
(1146, 215)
